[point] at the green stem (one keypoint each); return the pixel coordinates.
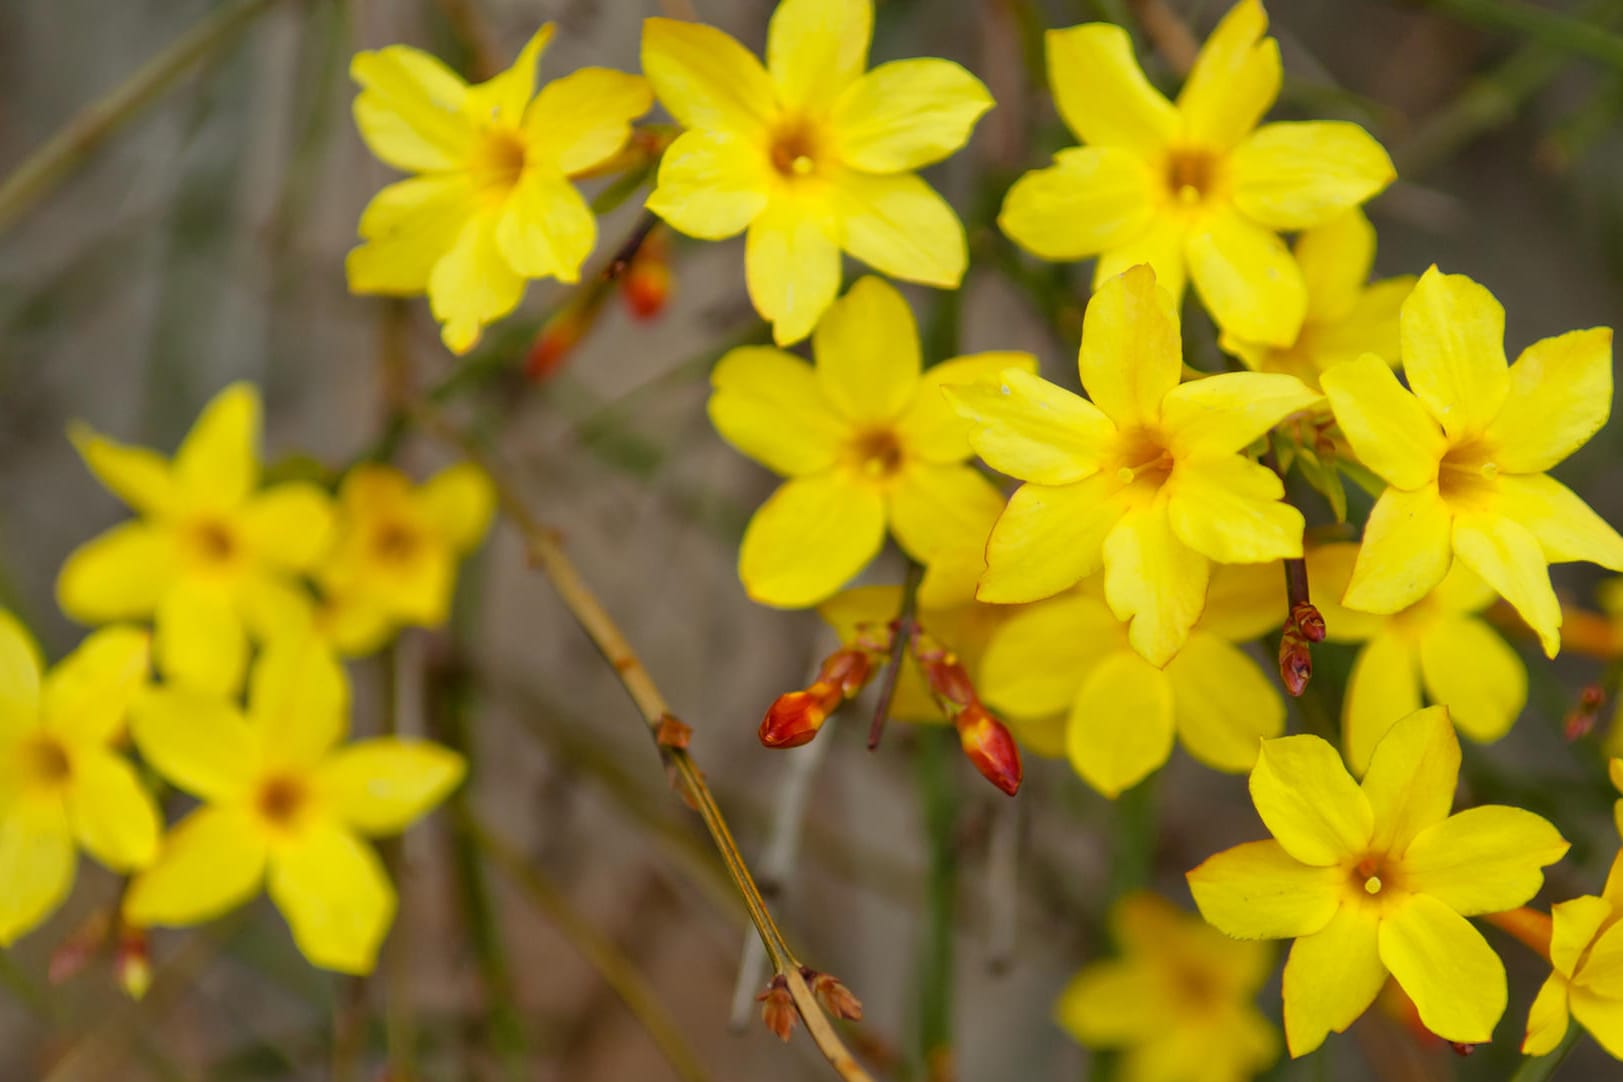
(1569, 33)
(70, 147)
(937, 752)
(1540, 1068)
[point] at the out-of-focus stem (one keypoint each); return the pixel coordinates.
(898, 652)
(1569, 33)
(939, 804)
(1541, 1068)
(70, 147)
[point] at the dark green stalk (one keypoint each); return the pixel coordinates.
(937, 752)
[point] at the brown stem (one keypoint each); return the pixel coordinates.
(1168, 34)
(905, 622)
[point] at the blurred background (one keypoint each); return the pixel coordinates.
(202, 242)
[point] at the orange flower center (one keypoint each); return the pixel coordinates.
(1143, 460)
(281, 799)
(1371, 877)
(1467, 474)
(878, 453)
(211, 542)
(498, 162)
(1191, 175)
(45, 761)
(795, 149)
(396, 542)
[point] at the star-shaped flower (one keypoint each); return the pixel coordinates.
(1586, 979)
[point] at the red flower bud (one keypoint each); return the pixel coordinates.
(987, 742)
(552, 346)
(948, 679)
(1309, 620)
(646, 284)
(795, 718)
(133, 962)
(778, 1008)
(1295, 661)
(835, 997)
(1580, 720)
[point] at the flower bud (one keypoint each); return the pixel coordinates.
(646, 284)
(778, 1008)
(835, 997)
(795, 718)
(1308, 620)
(1295, 660)
(989, 745)
(132, 962)
(82, 945)
(1580, 720)
(557, 339)
(948, 679)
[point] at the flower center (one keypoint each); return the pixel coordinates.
(1143, 460)
(1191, 175)
(281, 799)
(794, 149)
(498, 162)
(1468, 474)
(212, 542)
(395, 542)
(1196, 987)
(1371, 877)
(46, 762)
(878, 453)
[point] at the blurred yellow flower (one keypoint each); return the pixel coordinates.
(811, 155)
(1345, 317)
(493, 204)
(1178, 1001)
(283, 805)
(1614, 769)
(61, 784)
(1377, 879)
(1465, 454)
(1149, 478)
(1586, 982)
(212, 558)
(1438, 645)
(1195, 187)
(866, 440)
(1070, 657)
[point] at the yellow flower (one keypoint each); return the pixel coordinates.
(1438, 645)
(1377, 879)
(492, 204)
(1614, 769)
(396, 550)
(864, 439)
(283, 805)
(1178, 1001)
(1195, 187)
(1345, 318)
(212, 558)
(1148, 478)
(61, 785)
(1465, 452)
(1070, 656)
(811, 154)
(1586, 982)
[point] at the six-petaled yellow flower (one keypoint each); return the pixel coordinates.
(1070, 656)
(1148, 478)
(493, 203)
(1438, 645)
(285, 807)
(811, 154)
(1586, 982)
(212, 557)
(61, 784)
(1465, 451)
(865, 438)
(1179, 1000)
(1193, 188)
(1377, 879)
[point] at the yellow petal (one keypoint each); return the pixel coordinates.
(1468, 667)
(136, 475)
(87, 693)
(1131, 353)
(198, 742)
(1235, 78)
(1372, 325)
(705, 79)
(1336, 258)
(1161, 247)
(815, 49)
(1454, 351)
(212, 862)
(382, 786)
(335, 895)
(1560, 395)
(584, 118)
(473, 284)
(503, 96)
(900, 226)
(907, 114)
(1547, 1019)
(298, 699)
(120, 575)
(1331, 977)
(199, 639)
(217, 465)
(770, 406)
(1602, 1017)
(935, 511)
(1303, 174)
(1032, 429)
(1222, 414)
(1091, 200)
(1407, 548)
(1566, 527)
(408, 227)
(1411, 777)
(1102, 93)
(1259, 891)
(1613, 890)
(113, 816)
(37, 866)
(1574, 925)
(712, 184)
(867, 350)
(459, 501)
(1309, 802)
(810, 538)
(1455, 979)
(1507, 556)
(546, 228)
(1244, 601)
(289, 526)
(1601, 972)
(791, 267)
(410, 109)
(1246, 278)
(1048, 539)
(1153, 579)
(1038, 658)
(1384, 686)
(930, 427)
(1223, 703)
(1229, 509)
(1483, 860)
(1120, 729)
(19, 678)
(1113, 1003)
(1390, 431)
(1329, 567)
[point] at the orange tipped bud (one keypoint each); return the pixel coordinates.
(646, 285)
(79, 948)
(778, 1008)
(1309, 620)
(133, 962)
(848, 670)
(835, 997)
(948, 679)
(1580, 720)
(1295, 661)
(989, 745)
(795, 718)
(558, 338)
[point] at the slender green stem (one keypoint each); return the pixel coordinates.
(70, 147)
(1541, 1068)
(1572, 34)
(936, 754)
